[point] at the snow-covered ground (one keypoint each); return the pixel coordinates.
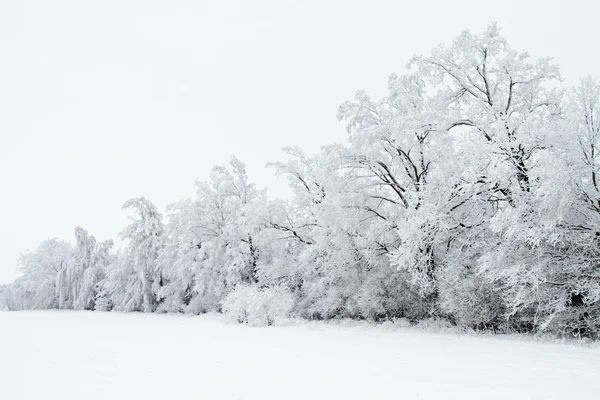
(85, 355)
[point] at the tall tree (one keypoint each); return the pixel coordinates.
(137, 265)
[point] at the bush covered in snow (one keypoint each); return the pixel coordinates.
(258, 306)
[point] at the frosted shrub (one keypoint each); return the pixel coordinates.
(258, 306)
(103, 304)
(437, 325)
(472, 300)
(389, 295)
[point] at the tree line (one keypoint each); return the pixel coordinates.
(468, 193)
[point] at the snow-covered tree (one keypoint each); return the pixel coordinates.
(78, 280)
(36, 287)
(135, 280)
(213, 241)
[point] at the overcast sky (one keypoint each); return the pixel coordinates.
(101, 101)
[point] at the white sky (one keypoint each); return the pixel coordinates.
(101, 101)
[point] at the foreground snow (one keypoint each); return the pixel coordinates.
(84, 355)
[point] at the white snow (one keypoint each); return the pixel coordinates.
(85, 355)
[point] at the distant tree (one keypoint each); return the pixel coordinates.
(78, 280)
(36, 287)
(137, 265)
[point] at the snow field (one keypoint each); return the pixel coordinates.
(94, 355)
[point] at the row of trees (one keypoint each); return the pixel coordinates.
(469, 192)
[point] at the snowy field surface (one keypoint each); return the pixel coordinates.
(84, 355)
